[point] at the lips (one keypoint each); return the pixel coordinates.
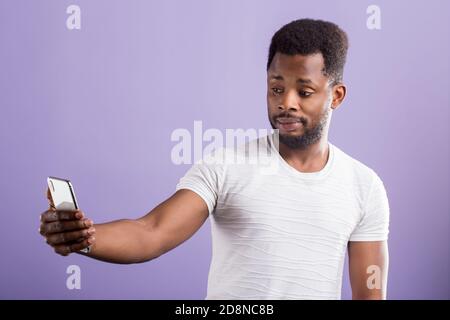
(288, 124)
(288, 120)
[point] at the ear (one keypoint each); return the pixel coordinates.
(338, 91)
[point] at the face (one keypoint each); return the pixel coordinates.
(300, 98)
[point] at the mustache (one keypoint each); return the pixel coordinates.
(287, 116)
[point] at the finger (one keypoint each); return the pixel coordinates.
(49, 216)
(64, 226)
(42, 229)
(66, 237)
(50, 199)
(56, 215)
(70, 215)
(65, 250)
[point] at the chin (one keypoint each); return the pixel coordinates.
(292, 134)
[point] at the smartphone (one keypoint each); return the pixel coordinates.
(62, 192)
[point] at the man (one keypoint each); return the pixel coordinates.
(276, 235)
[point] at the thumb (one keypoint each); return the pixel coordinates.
(50, 200)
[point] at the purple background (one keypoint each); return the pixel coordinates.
(98, 105)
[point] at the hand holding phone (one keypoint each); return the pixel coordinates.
(64, 225)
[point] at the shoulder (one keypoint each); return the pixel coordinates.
(238, 153)
(360, 173)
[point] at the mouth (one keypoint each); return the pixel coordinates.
(288, 124)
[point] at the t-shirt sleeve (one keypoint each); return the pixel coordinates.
(204, 179)
(374, 224)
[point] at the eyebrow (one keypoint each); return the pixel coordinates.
(299, 80)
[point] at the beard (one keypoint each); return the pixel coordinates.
(309, 136)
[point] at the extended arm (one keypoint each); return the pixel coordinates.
(128, 241)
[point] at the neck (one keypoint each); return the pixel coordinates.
(311, 159)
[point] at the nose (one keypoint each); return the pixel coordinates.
(289, 101)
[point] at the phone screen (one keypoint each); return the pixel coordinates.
(62, 192)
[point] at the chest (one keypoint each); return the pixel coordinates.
(280, 206)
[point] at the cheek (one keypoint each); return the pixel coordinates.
(315, 104)
(271, 101)
(316, 116)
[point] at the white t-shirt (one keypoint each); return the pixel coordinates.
(278, 233)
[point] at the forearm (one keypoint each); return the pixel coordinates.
(125, 241)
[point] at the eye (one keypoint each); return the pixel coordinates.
(277, 91)
(303, 93)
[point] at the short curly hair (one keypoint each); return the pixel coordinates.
(308, 36)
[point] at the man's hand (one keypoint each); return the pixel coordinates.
(66, 231)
